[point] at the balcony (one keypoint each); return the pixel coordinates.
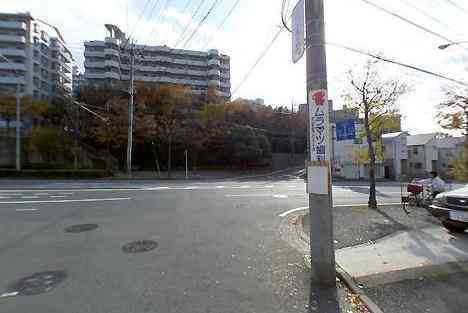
(88, 64)
(12, 52)
(11, 80)
(213, 72)
(12, 66)
(94, 75)
(108, 51)
(13, 25)
(112, 63)
(94, 53)
(214, 82)
(214, 62)
(12, 38)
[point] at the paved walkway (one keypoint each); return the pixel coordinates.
(405, 255)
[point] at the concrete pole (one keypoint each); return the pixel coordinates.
(323, 274)
(130, 112)
(18, 127)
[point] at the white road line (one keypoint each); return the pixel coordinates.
(25, 210)
(65, 193)
(29, 197)
(280, 196)
(58, 196)
(42, 194)
(63, 201)
(335, 206)
(190, 188)
(2, 197)
(292, 211)
(248, 195)
(220, 187)
(269, 186)
(157, 188)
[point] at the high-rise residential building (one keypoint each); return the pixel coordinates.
(108, 61)
(39, 58)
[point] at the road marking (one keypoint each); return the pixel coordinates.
(335, 206)
(2, 197)
(157, 188)
(63, 201)
(269, 186)
(58, 196)
(25, 210)
(292, 211)
(219, 187)
(42, 194)
(190, 188)
(66, 193)
(243, 187)
(29, 197)
(248, 195)
(280, 196)
(9, 294)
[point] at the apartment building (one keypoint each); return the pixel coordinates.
(39, 59)
(108, 61)
(422, 154)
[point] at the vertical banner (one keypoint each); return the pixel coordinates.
(298, 32)
(319, 125)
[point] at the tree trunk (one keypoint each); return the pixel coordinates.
(372, 192)
(169, 157)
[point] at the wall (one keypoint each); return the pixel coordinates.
(285, 160)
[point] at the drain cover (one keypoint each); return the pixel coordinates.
(80, 228)
(37, 283)
(139, 246)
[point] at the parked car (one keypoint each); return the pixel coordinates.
(451, 208)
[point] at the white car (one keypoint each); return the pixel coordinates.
(451, 208)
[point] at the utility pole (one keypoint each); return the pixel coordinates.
(18, 127)
(323, 273)
(130, 111)
(186, 164)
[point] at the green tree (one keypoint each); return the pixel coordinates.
(376, 99)
(460, 166)
(49, 142)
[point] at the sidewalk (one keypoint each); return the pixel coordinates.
(405, 255)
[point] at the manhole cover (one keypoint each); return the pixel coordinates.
(81, 228)
(139, 246)
(36, 283)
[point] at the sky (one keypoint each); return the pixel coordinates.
(253, 24)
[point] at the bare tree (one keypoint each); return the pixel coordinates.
(453, 112)
(375, 98)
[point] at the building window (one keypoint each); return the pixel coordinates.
(418, 166)
(411, 164)
(415, 150)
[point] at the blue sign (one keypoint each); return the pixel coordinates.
(346, 130)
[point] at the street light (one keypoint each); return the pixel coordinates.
(445, 46)
(18, 119)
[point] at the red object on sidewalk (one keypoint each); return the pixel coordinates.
(415, 188)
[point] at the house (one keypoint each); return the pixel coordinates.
(422, 154)
(449, 149)
(395, 154)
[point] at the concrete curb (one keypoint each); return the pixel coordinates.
(340, 273)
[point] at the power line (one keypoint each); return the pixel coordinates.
(201, 22)
(222, 23)
(140, 17)
(179, 40)
(427, 30)
(397, 63)
(162, 13)
(259, 59)
(456, 5)
(423, 12)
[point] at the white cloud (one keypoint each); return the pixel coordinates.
(252, 26)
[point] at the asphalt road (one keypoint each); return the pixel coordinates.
(218, 245)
